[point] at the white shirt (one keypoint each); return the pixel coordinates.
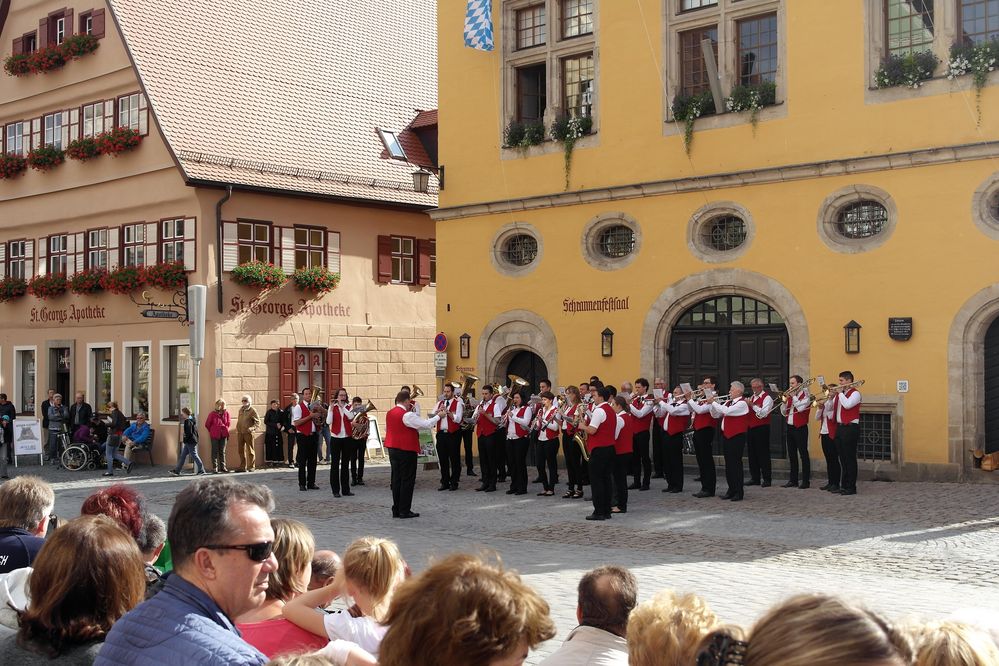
(799, 403)
(414, 407)
(737, 408)
(644, 410)
(523, 421)
(446, 406)
(768, 404)
(597, 416)
(296, 412)
(335, 426)
(589, 646)
(417, 422)
(364, 631)
(571, 415)
(824, 415)
(844, 402)
(550, 421)
(619, 426)
(704, 408)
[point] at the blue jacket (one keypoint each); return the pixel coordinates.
(136, 433)
(18, 548)
(179, 626)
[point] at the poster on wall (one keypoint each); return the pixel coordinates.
(27, 437)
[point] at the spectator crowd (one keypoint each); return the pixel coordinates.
(224, 582)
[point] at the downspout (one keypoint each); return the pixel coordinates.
(218, 240)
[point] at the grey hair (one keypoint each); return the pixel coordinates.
(248, 399)
(740, 386)
(200, 514)
(152, 535)
(142, 414)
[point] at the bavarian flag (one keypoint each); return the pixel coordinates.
(479, 25)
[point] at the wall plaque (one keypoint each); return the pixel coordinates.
(900, 328)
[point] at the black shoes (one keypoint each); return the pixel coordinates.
(805, 485)
(480, 488)
(597, 516)
(454, 486)
(491, 489)
(359, 482)
(752, 482)
(409, 514)
(511, 491)
(790, 484)
(444, 486)
(832, 487)
(471, 472)
(336, 494)
(736, 498)
(313, 487)
(673, 490)
(765, 484)
(703, 494)
(727, 496)
(844, 491)
(634, 486)
(644, 488)
(347, 493)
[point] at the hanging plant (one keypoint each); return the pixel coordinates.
(12, 164)
(123, 279)
(45, 158)
(77, 46)
(568, 131)
(909, 69)
(48, 286)
(117, 141)
(166, 276)
(88, 281)
(12, 288)
(752, 98)
(47, 59)
(688, 108)
(523, 135)
(82, 149)
(317, 280)
(260, 275)
(52, 57)
(978, 60)
(17, 64)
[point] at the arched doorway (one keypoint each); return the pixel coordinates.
(732, 338)
(528, 365)
(992, 387)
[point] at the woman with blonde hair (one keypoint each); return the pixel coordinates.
(217, 424)
(950, 643)
(464, 611)
(810, 630)
(265, 628)
(668, 629)
(372, 570)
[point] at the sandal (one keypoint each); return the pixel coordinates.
(578, 494)
(548, 493)
(569, 494)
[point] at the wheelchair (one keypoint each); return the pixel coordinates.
(84, 455)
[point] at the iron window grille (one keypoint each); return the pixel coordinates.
(875, 436)
(725, 233)
(616, 241)
(862, 219)
(520, 250)
(994, 207)
(730, 311)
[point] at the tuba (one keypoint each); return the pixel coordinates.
(416, 393)
(466, 385)
(360, 428)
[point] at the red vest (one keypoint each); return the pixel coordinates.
(704, 420)
(306, 427)
(346, 427)
(641, 423)
(849, 415)
(547, 417)
(624, 443)
(798, 419)
(735, 425)
(675, 424)
(520, 430)
(484, 427)
(452, 411)
(754, 421)
(570, 413)
(398, 435)
(831, 420)
(604, 436)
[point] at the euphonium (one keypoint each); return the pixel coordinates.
(417, 392)
(466, 384)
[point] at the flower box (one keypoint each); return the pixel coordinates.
(18, 64)
(910, 70)
(117, 141)
(77, 46)
(11, 165)
(123, 279)
(12, 288)
(51, 57)
(48, 286)
(88, 281)
(258, 275)
(166, 276)
(47, 59)
(317, 280)
(45, 158)
(523, 135)
(83, 149)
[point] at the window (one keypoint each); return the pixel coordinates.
(309, 247)
(15, 260)
(310, 366)
(725, 233)
(520, 250)
(857, 218)
(132, 113)
(29, 43)
(403, 258)
(58, 30)
(14, 138)
(720, 231)
(730, 311)
(58, 254)
(134, 244)
(577, 77)
(758, 50)
(531, 97)
(616, 241)
(254, 241)
(87, 23)
(531, 26)
(53, 129)
(93, 119)
(177, 380)
(611, 241)
(577, 18)
(909, 26)
(101, 371)
(137, 392)
(687, 5)
(979, 21)
(25, 373)
(875, 436)
(861, 219)
(693, 70)
(172, 241)
(433, 262)
(97, 248)
(392, 145)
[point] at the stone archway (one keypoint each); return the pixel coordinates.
(512, 332)
(666, 310)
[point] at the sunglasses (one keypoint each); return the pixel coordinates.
(258, 552)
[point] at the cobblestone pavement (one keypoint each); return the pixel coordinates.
(901, 548)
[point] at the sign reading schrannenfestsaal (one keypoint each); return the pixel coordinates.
(606, 304)
(900, 328)
(72, 314)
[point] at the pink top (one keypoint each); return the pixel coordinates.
(279, 636)
(217, 425)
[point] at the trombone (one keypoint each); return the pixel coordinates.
(830, 390)
(784, 395)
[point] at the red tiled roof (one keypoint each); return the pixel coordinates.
(409, 139)
(424, 119)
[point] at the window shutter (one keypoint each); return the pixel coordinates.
(143, 115)
(288, 250)
(286, 383)
(113, 247)
(109, 115)
(43, 33)
(80, 251)
(384, 259)
(97, 27)
(3, 260)
(230, 246)
(424, 250)
(25, 137)
(70, 254)
(64, 129)
(152, 243)
(190, 229)
(29, 259)
(68, 15)
(18, 46)
(333, 251)
(36, 133)
(74, 124)
(334, 371)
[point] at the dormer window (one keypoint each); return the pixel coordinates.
(392, 145)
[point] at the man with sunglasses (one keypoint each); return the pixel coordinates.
(222, 544)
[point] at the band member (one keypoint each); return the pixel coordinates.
(273, 424)
(584, 391)
(340, 420)
(673, 418)
(518, 421)
(359, 433)
(734, 414)
(499, 443)
(827, 431)
(626, 391)
(624, 445)
(549, 424)
(487, 418)
(467, 427)
(449, 439)
(704, 435)
(641, 409)
(847, 407)
(534, 455)
(292, 413)
(325, 437)
(758, 436)
(307, 441)
(601, 433)
(796, 410)
(658, 436)
(402, 439)
(413, 405)
(572, 415)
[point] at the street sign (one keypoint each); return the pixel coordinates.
(161, 314)
(440, 360)
(440, 342)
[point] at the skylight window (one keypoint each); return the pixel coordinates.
(392, 145)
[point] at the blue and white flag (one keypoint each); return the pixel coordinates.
(479, 25)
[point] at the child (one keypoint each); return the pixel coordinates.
(360, 445)
(190, 444)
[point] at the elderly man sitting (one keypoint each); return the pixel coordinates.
(137, 434)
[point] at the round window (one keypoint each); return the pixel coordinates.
(616, 241)
(994, 207)
(861, 219)
(520, 249)
(724, 234)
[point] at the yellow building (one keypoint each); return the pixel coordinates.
(837, 202)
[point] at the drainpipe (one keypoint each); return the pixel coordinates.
(218, 240)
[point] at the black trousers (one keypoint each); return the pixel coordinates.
(658, 450)
(357, 460)
(272, 446)
(797, 447)
(622, 465)
(516, 456)
(341, 451)
(833, 471)
(308, 452)
(641, 463)
(705, 461)
(846, 448)
(466, 438)
(292, 438)
(532, 451)
(601, 478)
(548, 462)
(403, 480)
(734, 448)
(673, 460)
(499, 457)
(486, 462)
(758, 445)
(449, 457)
(573, 461)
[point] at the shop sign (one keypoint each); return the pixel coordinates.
(286, 309)
(607, 304)
(72, 314)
